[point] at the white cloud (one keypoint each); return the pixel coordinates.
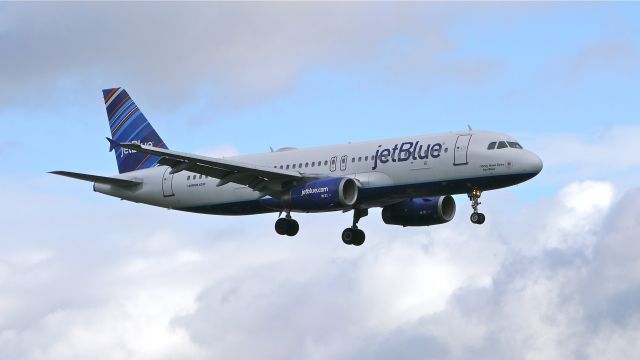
(105, 279)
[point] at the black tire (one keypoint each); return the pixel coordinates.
(359, 239)
(481, 219)
(475, 217)
(293, 227)
(282, 225)
(348, 235)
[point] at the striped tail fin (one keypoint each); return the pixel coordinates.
(128, 124)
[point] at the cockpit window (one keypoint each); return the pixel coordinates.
(502, 144)
(515, 145)
(492, 145)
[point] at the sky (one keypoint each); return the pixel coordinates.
(553, 273)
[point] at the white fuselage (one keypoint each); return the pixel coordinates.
(387, 171)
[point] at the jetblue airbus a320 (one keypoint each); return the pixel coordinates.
(411, 178)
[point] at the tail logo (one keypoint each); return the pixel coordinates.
(129, 125)
(124, 151)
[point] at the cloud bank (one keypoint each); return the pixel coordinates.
(556, 279)
(240, 53)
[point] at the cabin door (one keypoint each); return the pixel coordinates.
(167, 183)
(462, 147)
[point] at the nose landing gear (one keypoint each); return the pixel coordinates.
(352, 235)
(287, 226)
(476, 217)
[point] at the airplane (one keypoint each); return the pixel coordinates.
(411, 178)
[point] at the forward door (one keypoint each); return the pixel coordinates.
(462, 148)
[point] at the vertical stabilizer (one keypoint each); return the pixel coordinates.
(128, 124)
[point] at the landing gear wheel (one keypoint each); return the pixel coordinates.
(348, 235)
(282, 226)
(481, 219)
(293, 228)
(287, 226)
(359, 240)
(351, 236)
(477, 218)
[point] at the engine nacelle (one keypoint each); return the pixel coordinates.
(420, 211)
(323, 194)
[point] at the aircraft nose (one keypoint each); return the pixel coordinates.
(534, 163)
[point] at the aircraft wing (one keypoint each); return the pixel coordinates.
(264, 179)
(98, 179)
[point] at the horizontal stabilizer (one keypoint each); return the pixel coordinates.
(98, 179)
(113, 144)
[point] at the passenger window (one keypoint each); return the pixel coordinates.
(326, 162)
(294, 166)
(502, 145)
(359, 158)
(287, 167)
(492, 145)
(313, 163)
(353, 159)
(189, 177)
(515, 145)
(300, 165)
(306, 165)
(366, 158)
(280, 166)
(200, 176)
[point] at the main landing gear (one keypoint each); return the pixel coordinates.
(476, 217)
(352, 235)
(287, 226)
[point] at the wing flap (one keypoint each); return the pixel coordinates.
(98, 179)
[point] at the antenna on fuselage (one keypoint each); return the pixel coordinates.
(270, 148)
(469, 126)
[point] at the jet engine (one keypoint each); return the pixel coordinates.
(420, 211)
(323, 194)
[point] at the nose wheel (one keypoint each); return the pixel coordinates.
(476, 217)
(352, 235)
(287, 226)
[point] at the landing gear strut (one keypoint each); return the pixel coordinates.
(476, 217)
(352, 235)
(287, 226)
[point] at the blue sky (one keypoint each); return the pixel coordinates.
(81, 273)
(493, 72)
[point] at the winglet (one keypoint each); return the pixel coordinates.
(113, 144)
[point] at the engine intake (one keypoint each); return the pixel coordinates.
(420, 211)
(323, 194)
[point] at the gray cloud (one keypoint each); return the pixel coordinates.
(239, 52)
